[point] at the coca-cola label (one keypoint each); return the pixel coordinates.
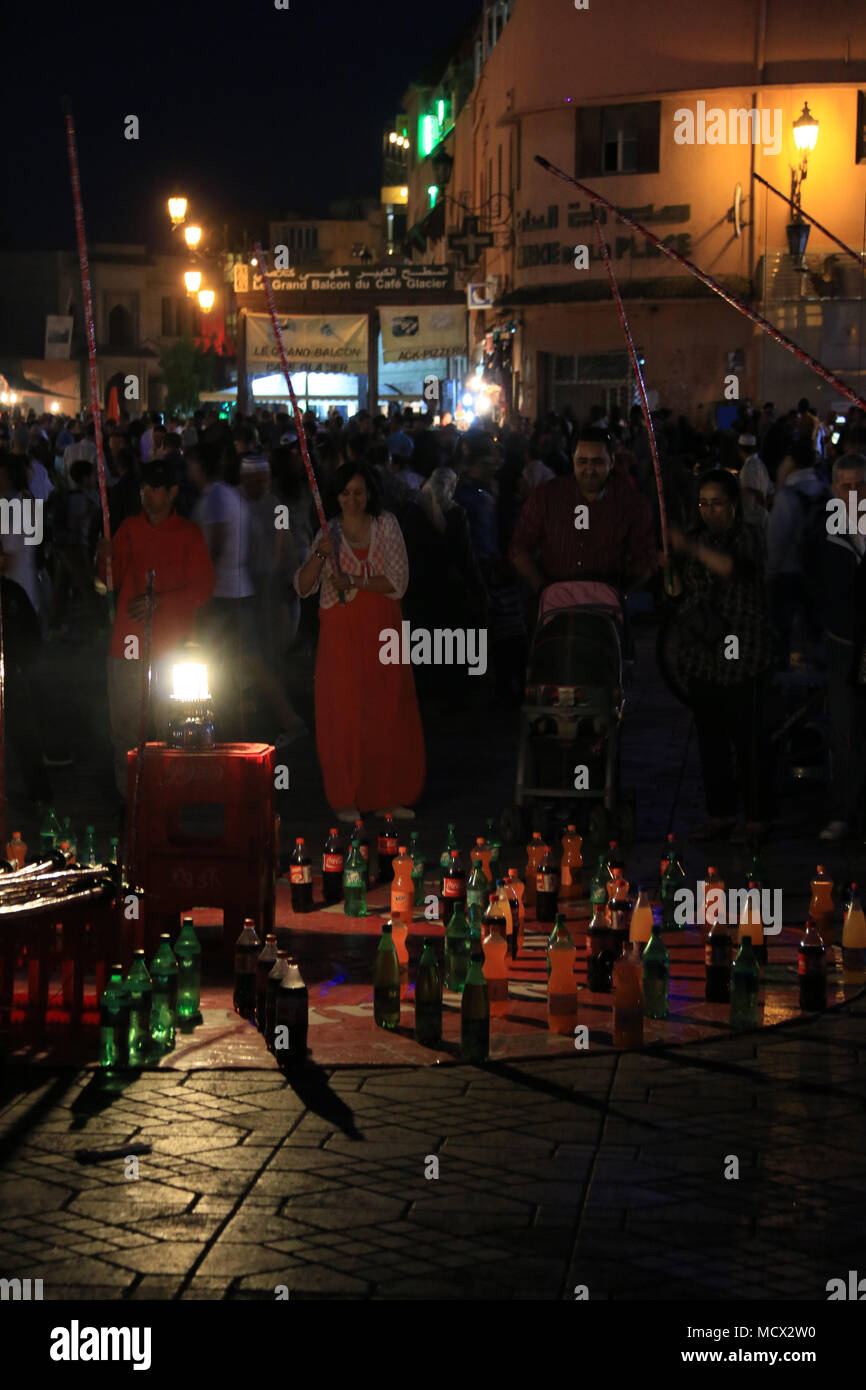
(300, 873)
(546, 883)
(453, 888)
(387, 844)
(332, 863)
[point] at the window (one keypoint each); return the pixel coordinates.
(120, 327)
(617, 139)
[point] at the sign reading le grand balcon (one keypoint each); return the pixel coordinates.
(388, 280)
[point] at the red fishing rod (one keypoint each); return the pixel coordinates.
(726, 295)
(86, 290)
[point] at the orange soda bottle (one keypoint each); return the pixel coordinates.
(751, 924)
(16, 850)
(534, 854)
(402, 888)
(854, 941)
(641, 926)
(713, 910)
(399, 933)
(617, 887)
(561, 984)
(483, 851)
(822, 909)
(571, 883)
(628, 997)
(495, 966)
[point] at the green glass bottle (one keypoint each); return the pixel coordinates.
(114, 1023)
(428, 998)
(598, 887)
(745, 980)
(114, 856)
(478, 885)
(495, 851)
(163, 1014)
(139, 994)
(187, 949)
(673, 880)
(475, 1011)
(50, 835)
(656, 968)
(417, 868)
(476, 923)
(445, 857)
(456, 950)
(386, 982)
(88, 851)
(354, 881)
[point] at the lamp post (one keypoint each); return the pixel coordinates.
(805, 138)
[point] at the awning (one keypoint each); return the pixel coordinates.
(429, 228)
(17, 381)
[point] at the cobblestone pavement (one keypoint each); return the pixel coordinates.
(605, 1172)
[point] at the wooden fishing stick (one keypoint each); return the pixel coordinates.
(299, 423)
(635, 363)
(726, 295)
(87, 292)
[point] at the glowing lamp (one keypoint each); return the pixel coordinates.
(192, 280)
(805, 130)
(206, 300)
(190, 726)
(177, 209)
(192, 236)
(54, 407)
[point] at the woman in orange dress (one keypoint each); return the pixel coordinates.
(368, 729)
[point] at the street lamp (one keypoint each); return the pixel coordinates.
(192, 280)
(206, 299)
(192, 236)
(177, 210)
(805, 138)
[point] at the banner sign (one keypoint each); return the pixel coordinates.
(396, 279)
(336, 343)
(58, 335)
(413, 332)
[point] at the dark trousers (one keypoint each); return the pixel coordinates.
(734, 748)
(846, 710)
(791, 597)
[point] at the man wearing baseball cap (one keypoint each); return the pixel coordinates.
(175, 549)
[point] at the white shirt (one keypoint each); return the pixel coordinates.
(220, 504)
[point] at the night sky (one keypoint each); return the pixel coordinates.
(244, 108)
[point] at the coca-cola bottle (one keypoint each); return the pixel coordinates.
(453, 888)
(332, 867)
(247, 948)
(291, 1015)
(812, 969)
(364, 847)
(301, 877)
(386, 846)
(547, 888)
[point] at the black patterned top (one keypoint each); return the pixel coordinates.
(712, 611)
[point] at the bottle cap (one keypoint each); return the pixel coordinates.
(299, 840)
(333, 830)
(401, 849)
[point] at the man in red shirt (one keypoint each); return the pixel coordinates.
(591, 524)
(176, 551)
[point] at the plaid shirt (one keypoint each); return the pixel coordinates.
(713, 609)
(618, 545)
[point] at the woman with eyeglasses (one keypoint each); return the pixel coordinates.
(725, 655)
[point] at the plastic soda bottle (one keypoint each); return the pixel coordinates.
(641, 925)
(88, 852)
(16, 850)
(114, 1022)
(668, 853)
(301, 877)
(475, 918)
(247, 948)
(714, 903)
(751, 924)
(496, 957)
(399, 934)
(139, 995)
(275, 978)
(614, 858)
(717, 964)
(456, 950)
(494, 845)
(354, 882)
(822, 909)
(332, 867)
(628, 998)
(417, 869)
(386, 982)
(598, 889)
(445, 857)
(812, 969)
(673, 880)
(599, 954)
(508, 902)
(386, 847)
(534, 851)
(428, 998)
(475, 1011)
(402, 888)
(187, 950)
(163, 1010)
(656, 968)
(745, 979)
(520, 889)
(364, 847)
(264, 965)
(453, 888)
(50, 835)
(69, 836)
(571, 886)
(291, 1017)
(561, 984)
(546, 888)
(478, 884)
(482, 850)
(508, 892)
(854, 941)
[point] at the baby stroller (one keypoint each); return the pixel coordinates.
(568, 752)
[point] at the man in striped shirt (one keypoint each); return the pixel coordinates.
(591, 524)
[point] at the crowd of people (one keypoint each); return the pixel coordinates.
(451, 529)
